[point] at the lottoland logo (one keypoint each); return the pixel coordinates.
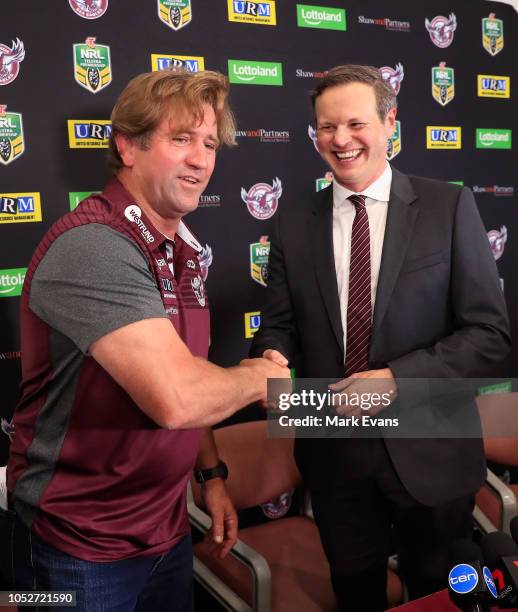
(74, 197)
(11, 282)
(493, 139)
(254, 73)
(323, 17)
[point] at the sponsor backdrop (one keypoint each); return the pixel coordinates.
(452, 64)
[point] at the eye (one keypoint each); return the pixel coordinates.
(358, 125)
(211, 146)
(180, 140)
(326, 129)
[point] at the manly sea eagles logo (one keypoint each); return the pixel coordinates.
(394, 76)
(497, 240)
(492, 34)
(199, 291)
(278, 506)
(262, 199)
(205, 260)
(89, 9)
(10, 59)
(441, 29)
(443, 83)
(313, 135)
(92, 65)
(12, 143)
(7, 428)
(175, 13)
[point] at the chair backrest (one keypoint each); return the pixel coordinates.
(499, 418)
(260, 468)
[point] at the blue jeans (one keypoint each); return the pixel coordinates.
(160, 583)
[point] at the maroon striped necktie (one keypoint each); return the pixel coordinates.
(359, 301)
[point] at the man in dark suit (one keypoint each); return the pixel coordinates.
(382, 276)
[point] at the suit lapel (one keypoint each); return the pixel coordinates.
(321, 229)
(401, 217)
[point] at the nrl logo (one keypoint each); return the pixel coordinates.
(199, 291)
(89, 9)
(259, 253)
(492, 34)
(175, 13)
(497, 240)
(7, 428)
(443, 84)
(441, 29)
(10, 59)
(394, 76)
(394, 142)
(262, 199)
(205, 260)
(12, 143)
(92, 65)
(313, 135)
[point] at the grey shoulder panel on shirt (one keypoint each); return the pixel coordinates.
(91, 281)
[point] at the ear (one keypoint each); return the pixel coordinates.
(390, 122)
(126, 148)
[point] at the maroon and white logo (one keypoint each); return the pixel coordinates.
(394, 76)
(205, 260)
(198, 289)
(313, 135)
(497, 240)
(8, 428)
(278, 506)
(89, 9)
(441, 29)
(10, 59)
(262, 199)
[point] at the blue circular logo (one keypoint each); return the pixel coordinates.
(490, 582)
(463, 578)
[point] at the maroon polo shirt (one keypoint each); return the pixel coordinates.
(88, 471)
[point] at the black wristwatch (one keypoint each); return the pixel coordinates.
(220, 471)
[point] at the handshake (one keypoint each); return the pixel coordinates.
(272, 365)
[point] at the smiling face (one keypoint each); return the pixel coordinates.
(168, 176)
(351, 137)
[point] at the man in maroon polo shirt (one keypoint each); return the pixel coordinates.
(116, 383)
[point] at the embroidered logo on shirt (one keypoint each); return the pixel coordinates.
(199, 291)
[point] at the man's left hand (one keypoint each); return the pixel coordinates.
(372, 381)
(224, 518)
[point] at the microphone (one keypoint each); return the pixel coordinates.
(501, 554)
(470, 584)
(514, 528)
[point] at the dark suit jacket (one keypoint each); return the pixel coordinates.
(439, 313)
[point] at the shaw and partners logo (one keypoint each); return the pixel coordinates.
(493, 139)
(496, 190)
(310, 74)
(389, 24)
(89, 133)
(164, 61)
(12, 142)
(443, 137)
(11, 282)
(246, 72)
(262, 13)
(492, 86)
(252, 323)
(20, 207)
(265, 135)
(323, 17)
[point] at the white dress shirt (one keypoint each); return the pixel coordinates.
(376, 203)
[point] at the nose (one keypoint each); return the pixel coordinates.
(341, 136)
(197, 155)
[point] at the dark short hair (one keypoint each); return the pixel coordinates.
(151, 96)
(354, 73)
